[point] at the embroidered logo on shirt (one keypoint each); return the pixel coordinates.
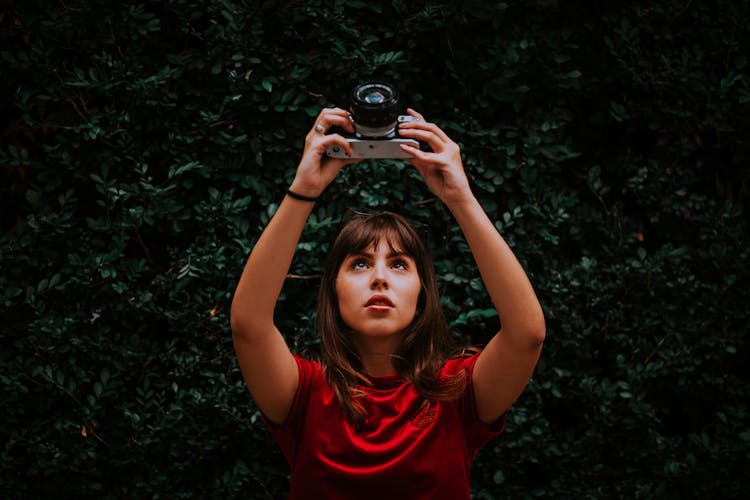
(425, 416)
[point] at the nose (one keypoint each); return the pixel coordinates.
(379, 276)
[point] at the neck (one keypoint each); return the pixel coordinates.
(377, 365)
(377, 355)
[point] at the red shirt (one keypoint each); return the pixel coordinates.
(407, 448)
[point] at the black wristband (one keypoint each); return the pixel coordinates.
(300, 197)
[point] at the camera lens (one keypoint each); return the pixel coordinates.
(374, 109)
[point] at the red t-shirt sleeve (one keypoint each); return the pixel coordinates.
(478, 433)
(288, 434)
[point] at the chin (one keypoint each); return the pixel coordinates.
(380, 331)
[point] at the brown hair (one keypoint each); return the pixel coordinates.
(426, 342)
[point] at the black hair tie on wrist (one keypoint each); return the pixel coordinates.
(300, 197)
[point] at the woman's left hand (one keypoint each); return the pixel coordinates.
(441, 169)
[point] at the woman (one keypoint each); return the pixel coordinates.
(383, 414)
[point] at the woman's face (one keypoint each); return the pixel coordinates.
(378, 289)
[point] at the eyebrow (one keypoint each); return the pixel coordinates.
(370, 255)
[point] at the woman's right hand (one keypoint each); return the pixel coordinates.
(316, 170)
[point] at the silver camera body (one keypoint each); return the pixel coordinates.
(374, 114)
(386, 147)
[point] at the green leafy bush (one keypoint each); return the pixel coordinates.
(145, 146)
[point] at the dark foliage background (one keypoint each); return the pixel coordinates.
(145, 146)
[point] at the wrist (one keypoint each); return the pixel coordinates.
(462, 204)
(301, 197)
(305, 191)
(460, 199)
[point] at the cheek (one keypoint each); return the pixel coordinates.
(341, 284)
(344, 295)
(339, 292)
(415, 290)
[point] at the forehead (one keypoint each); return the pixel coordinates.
(387, 240)
(380, 248)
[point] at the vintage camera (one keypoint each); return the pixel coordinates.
(374, 109)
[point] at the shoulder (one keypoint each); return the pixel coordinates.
(311, 380)
(463, 359)
(309, 367)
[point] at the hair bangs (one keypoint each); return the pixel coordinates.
(367, 231)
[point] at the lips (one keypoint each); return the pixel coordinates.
(379, 300)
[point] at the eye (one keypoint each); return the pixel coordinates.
(400, 264)
(358, 264)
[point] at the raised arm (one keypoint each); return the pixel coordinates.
(505, 365)
(267, 365)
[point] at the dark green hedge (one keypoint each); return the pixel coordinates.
(144, 146)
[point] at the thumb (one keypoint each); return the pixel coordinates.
(333, 166)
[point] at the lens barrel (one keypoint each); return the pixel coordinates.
(375, 108)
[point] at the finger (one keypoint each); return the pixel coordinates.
(420, 134)
(415, 114)
(338, 111)
(342, 121)
(435, 143)
(421, 125)
(417, 153)
(419, 164)
(335, 111)
(330, 113)
(333, 117)
(335, 140)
